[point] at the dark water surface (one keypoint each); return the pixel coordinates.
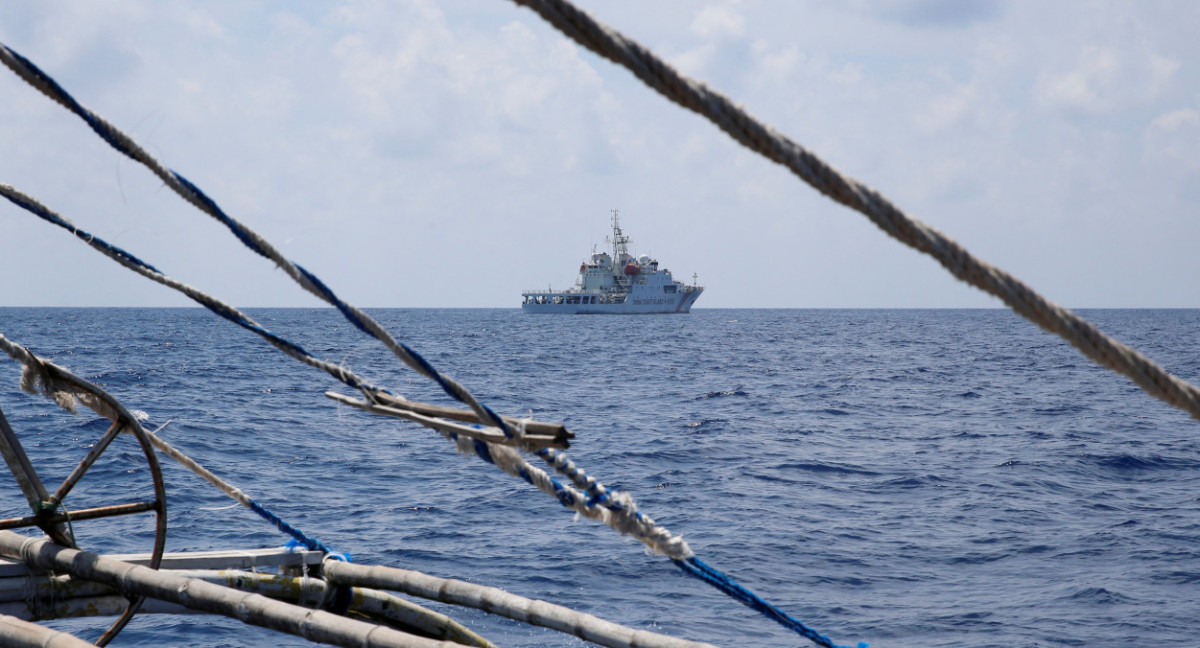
(902, 477)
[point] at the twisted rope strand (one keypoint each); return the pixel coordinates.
(761, 138)
(624, 517)
(191, 193)
(41, 375)
(619, 513)
(226, 311)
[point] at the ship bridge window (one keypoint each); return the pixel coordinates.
(669, 289)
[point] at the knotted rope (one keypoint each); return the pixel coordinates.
(619, 512)
(616, 510)
(622, 518)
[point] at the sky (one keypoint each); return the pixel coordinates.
(452, 154)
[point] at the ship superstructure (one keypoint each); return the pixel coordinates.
(616, 283)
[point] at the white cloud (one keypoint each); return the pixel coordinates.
(1162, 71)
(1088, 87)
(1171, 142)
(717, 22)
(778, 65)
(1105, 80)
(946, 110)
(475, 127)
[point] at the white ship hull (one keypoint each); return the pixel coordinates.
(677, 303)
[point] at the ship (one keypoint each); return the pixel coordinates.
(618, 284)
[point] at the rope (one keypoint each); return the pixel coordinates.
(102, 402)
(622, 514)
(39, 376)
(236, 493)
(698, 568)
(762, 139)
(189, 192)
(616, 509)
(226, 311)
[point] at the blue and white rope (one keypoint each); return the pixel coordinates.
(123, 143)
(226, 311)
(618, 513)
(36, 377)
(617, 510)
(191, 193)
(699, 569)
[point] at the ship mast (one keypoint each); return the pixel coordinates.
(619, 240)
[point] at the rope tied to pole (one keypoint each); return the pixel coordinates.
(616, 509)
(46, 380)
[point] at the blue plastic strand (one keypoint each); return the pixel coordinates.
(84, 235)
(692, 566)
(312, 543)
(699, 569)
(108, 134)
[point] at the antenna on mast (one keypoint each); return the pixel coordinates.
(619, 240)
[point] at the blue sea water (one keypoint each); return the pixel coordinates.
(901, 477)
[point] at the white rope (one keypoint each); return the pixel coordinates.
(621, 514)
(763, 139)
(618, 512)
(39, 376)
(252, 239)
(647, 532)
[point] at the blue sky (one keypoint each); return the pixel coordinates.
(429, 154)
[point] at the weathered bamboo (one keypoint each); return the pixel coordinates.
(312, 592)
(254, 609)
(38, 597)
(392, 609)
(15, 633)
(87, 607)
(281, 559)
(489, 434)
(535, 427)
(497, 601)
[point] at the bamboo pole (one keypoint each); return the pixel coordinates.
(497, 601)
(392, 609)
(38, 597)
(311, 592)
(536, 427)
(88, 607)
(254, 609)
(556, 430)
(15, 633)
